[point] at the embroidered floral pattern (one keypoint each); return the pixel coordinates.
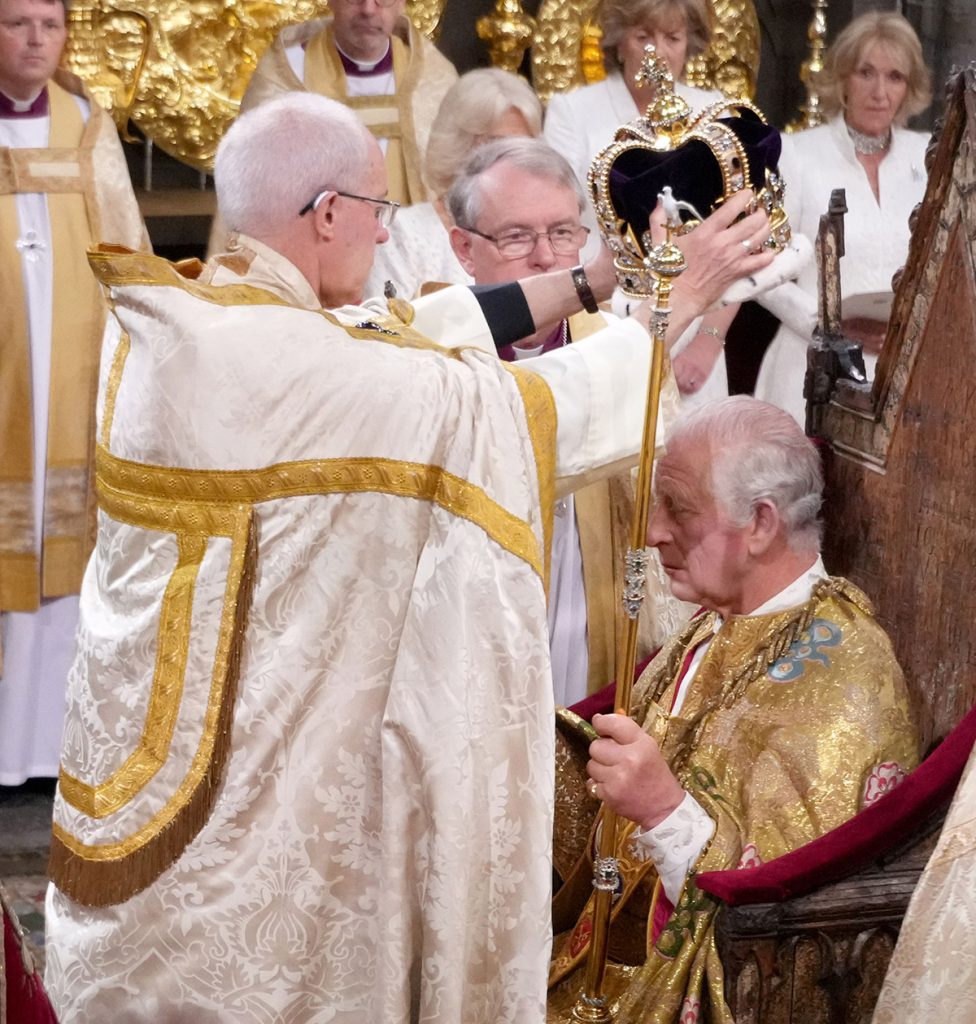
(750, 857)
(884, 778)
(807, 647)
(581, 936)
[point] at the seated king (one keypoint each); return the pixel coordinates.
(775, 715)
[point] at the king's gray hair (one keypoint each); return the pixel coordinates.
(759, 453)
(276, 157)
(530, 155)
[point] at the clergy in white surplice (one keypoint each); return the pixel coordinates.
(308, 761)
(63, 185)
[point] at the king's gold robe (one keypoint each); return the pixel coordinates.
(793, 722)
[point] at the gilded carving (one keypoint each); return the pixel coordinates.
(508, 33)
(178, 68)
(562, 52)
(810, 113)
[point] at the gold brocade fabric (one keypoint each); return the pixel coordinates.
(932, 974)
(387, 117)
(792, 723)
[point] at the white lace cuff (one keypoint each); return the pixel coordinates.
(675, 844)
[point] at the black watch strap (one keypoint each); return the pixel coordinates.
(583, 289)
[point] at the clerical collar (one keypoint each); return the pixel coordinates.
(558, 338)
(359, 69)
(36, 107)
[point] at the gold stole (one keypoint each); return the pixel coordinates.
(64, 172)
(387, 117)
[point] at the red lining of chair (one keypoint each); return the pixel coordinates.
(867, 836)
(601, 702)
(27, 1002)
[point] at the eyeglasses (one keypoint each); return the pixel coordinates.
(385, 209)
(519, 242)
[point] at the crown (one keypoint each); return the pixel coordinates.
(705, 158)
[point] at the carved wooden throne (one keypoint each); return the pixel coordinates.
(901, 523)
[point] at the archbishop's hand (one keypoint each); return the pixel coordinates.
(722, 250)
(600, 274)
(629, 774)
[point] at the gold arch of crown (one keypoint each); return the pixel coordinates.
(178, 68)
(667, 124)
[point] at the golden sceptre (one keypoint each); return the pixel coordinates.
(664, 262)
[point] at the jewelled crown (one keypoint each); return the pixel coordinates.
(704, 157)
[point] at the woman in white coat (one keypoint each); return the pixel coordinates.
(874, 79)
(582, 122)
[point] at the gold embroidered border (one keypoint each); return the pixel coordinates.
(100, 875)
(116, 266)
(327, 476)
(165, 695)
(540, 414)
(112, 386)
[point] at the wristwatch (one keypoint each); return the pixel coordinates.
(583, 289)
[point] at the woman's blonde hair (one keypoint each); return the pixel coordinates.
(846, 51)
(469, 109)
(617, 16)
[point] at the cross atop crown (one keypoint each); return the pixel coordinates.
(667, 111)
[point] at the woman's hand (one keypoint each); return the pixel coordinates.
(693, 365)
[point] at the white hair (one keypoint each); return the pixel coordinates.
(530, 155)
(469, 109)
(275, 158)
(759, 453)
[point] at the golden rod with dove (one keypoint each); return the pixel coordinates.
(664, 262)
(644, 270)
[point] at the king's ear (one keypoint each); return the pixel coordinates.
(764, 528)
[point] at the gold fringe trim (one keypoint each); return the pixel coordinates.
(101, 883)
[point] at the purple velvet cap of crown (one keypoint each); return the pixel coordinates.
(691, 169)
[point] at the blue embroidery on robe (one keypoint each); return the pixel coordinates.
(807, 647)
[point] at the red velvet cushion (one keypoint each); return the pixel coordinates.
(27, 1002)
(849, 847)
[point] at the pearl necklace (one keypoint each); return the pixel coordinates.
(868, 145)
